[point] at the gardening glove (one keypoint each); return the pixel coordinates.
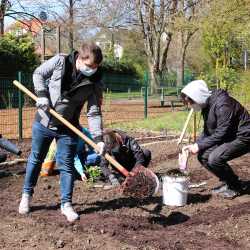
(101, 147)
(193, 148)
(183, 159)
(114, 181)
(43, 103)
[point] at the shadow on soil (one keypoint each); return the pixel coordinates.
(198, 198)
(132, 202)
(119, 203)
(173, 219)
(44, 207)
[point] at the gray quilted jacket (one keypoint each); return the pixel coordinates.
(68, 90)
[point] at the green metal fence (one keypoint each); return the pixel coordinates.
(16, 110)
(125, 99)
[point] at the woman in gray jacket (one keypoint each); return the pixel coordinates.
(64, 83)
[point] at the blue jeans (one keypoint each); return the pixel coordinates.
(66, 149)
(93, 159)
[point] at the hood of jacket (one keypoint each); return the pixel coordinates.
(197, 91)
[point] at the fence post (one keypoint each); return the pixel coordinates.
(20, 110)
(162, 97)
(146, 95)
(129, 94)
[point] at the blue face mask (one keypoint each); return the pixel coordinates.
(87, 71)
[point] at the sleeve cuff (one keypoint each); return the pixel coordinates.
(98, 139)
(200, 146)
(42, 93)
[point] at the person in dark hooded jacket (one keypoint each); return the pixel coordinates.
(225, 136)
(126, 150)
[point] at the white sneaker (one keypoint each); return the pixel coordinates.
(68, 211)
(24, 206)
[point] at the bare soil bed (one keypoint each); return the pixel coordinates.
(111, 221)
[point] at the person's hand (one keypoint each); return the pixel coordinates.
(183, 159)
(101, 147)
(43, 103)
(83, 177)
(193, 148)
(114, 181)
(131, 174)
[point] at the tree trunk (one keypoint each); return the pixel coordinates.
(180, 61)
(183, 44)
(2, 14)
(180, 71)
(71, 23)
(1, 26)
(154, 83)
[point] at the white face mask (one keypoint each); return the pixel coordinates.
(87, 71)
(196, 107)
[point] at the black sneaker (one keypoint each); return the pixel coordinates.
(3, 157)
(245, 187)
(223, 187)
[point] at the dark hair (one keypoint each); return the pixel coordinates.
(185, 99)
(89, 50)
(109, 138)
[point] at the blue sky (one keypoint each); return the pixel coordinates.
(31, 7)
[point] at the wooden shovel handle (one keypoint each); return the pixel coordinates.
(74, 129)
(185, 127)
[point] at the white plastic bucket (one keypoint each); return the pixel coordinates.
(175, 190)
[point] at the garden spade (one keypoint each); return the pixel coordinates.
(179, 152)
(139, 183)
(185, 127)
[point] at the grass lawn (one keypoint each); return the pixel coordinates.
(172, 122)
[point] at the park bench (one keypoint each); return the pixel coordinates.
(174, 101)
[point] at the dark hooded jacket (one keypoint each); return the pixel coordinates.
(225, 119)
(130, 153)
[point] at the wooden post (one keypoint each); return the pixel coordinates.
(195, 127)
(129, 94)
(42, 45)
(20, 110)
(162, 97)
(185, 127)
(146, 95)
(58, 39)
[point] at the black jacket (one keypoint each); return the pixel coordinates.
(68, 90)
(130, 153)
(225, 119)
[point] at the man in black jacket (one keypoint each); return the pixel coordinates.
(226, 134)
(126, 150)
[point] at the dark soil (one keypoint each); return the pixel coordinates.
(111, 221)
(175, 172)
(141, 185)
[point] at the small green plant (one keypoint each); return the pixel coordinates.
(94, 172)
